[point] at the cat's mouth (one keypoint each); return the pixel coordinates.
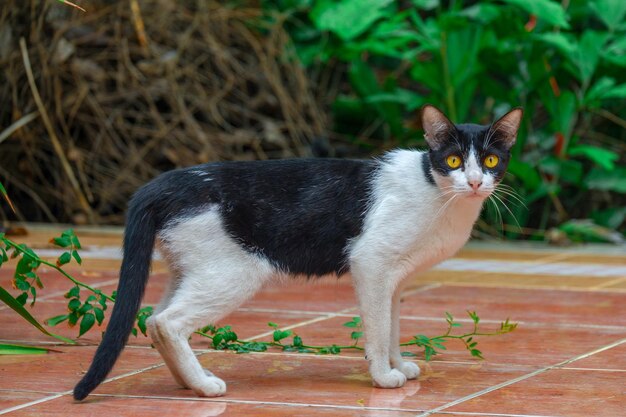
(479, 193)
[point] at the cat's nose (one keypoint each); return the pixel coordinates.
(475, 183)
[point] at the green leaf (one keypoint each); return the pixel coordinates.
(612, 217)
(6, 349)
(273, 325)
(22, 298)
(547, 10)
(476, 353)
(297, 341)
(356, 335)
(3, 256)
(599, 90)
(72, 319)
(590, 46)
(62, 241)
(141, 323)
(8, 299)
(65, 258)
(616, 92)
(603, 157)
(74, 304)
(53, 321)
(409, 99)
(569, 170)
(484, 13)
(425, 4)
(281, 334)
(586, 231)
(73, 293)
(611, 12)
(408, 354)
(22, 284)
(217, 340)
(473, 316)
(560, 41)
(85, 308)
(77, 257)
(86, 323)
(601, 179)
(348, 18)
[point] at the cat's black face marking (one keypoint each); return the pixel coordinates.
(465, 139)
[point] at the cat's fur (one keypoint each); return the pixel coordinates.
(227, 229)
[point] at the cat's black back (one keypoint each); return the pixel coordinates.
(300, 214)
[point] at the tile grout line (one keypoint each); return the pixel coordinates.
(559, 365)
(31, 403)
(466, 413)
(61, 394)
(607, 284)
(253, 402)
(533, 287)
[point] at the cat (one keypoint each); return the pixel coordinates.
(227, 229)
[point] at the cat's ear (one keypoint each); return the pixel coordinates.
(437, 127)
(505, 128)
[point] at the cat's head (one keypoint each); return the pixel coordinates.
(469, 160)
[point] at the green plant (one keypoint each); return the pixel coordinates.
(224, 338)
(562, 61)
(92, 310)
(27, 280)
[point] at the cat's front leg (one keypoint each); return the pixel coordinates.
(409, 369)
(375, 293)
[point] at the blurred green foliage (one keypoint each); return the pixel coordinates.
(564, 64)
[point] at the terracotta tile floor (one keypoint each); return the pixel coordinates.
(567, 358)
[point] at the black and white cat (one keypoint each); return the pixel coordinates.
(228, 229)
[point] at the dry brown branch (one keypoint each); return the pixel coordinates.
(53, 137)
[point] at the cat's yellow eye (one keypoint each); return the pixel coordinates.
(491, 161)
(453, 161)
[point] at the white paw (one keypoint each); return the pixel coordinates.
(409, 369)
(211, 386)
(391, 379)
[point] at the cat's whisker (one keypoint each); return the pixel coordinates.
(444, 206)
(514, 197)
(498, 213)
(508, 209)
(511, 193)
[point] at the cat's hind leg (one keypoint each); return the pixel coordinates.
(215, 276)
(154, 333)
(202, 298)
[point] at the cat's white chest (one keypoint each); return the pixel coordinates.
(440, 237)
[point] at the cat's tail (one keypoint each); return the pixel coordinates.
(139, 241)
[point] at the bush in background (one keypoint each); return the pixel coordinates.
(563, 62)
